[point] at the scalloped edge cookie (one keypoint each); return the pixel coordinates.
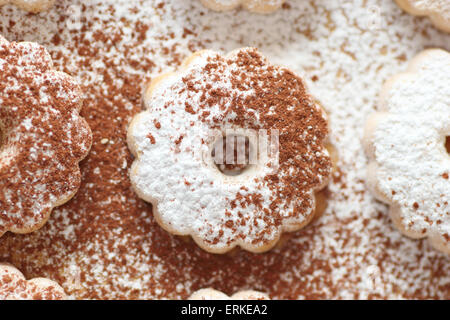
(157, 82)
(415, 67)
(439, 16)
(7, 152)
(14, 286)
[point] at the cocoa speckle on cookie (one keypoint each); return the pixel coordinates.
(43, 137)
(237, 96)
(14, 286)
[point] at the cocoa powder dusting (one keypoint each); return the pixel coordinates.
(43, 138)
(105, 243)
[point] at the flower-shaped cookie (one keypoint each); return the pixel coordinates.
(409, 165)
(42, 137)
(192, 115)
(258, 6)
(437, 10)
(14, 286)
(34, 6)
(211, 294)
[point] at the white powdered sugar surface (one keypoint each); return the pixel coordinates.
(413, 166)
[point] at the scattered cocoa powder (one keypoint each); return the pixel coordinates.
(105, 243)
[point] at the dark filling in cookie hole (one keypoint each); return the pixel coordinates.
(231, 154)
(447, 144)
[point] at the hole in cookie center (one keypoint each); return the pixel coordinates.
(231, 154)
(447, 144)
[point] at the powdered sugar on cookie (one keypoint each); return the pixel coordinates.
(189, 111)
(406, 142)
(42, 137)
(14, 286)
(437, 10)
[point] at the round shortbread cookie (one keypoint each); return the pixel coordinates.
(213, 98)
(14, 286)
(409, 165)
(437, 10)
(257, 6)
(42, 137)
(212, 294)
